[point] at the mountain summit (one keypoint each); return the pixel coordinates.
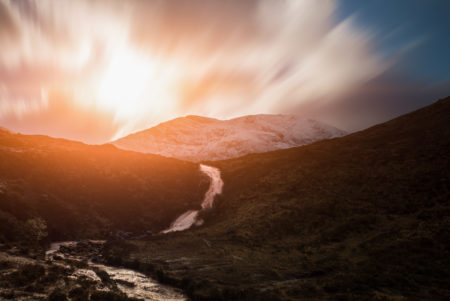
(196, 138)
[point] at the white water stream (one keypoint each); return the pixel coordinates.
(190, 217)
(130, 282)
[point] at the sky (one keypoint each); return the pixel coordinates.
(97, 70)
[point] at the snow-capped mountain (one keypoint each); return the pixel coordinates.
(196, 138)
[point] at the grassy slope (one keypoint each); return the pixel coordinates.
(365, 216)
(87, 191)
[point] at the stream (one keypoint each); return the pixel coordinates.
(130, 282)
(190, 217)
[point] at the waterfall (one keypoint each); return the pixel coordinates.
(190, 217)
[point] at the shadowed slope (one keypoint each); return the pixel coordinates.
(365, 216)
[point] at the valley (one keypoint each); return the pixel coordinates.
(224, 150)
(365, 216)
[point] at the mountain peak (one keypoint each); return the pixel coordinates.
(199, 118)
(198, 138)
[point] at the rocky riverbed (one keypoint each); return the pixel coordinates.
(74, 271)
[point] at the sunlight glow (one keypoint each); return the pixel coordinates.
(125, 82)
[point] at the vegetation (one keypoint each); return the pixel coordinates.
(54, 189)
(363, 217)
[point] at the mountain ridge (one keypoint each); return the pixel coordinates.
(197, 138)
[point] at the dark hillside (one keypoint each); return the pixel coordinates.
(87, 191)
(366, 216)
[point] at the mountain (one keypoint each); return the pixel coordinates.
(362, 217)
(196, 138)
(82, 191)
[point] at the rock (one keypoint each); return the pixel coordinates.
(124, 282)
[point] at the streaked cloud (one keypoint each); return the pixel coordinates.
(207, 57)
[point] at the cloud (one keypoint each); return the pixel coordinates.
(20, 105)
(261, 56)
(8, 27)
(378, 100)
(57, 114)
(213, 57)
(59, 33)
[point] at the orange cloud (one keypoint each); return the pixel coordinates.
(59, 115)
(214, 58)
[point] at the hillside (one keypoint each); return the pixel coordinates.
(196, 138)
(86, 191)
(363, 217)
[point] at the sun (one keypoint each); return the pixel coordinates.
(125, 83)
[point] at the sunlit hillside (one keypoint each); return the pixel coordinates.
(82, 191)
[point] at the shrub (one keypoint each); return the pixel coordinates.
(108, 296)
(57, 295)
(27, 274)
(79, 294)
(37, 227)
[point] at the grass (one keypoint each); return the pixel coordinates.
(365, 216)
(54, 189)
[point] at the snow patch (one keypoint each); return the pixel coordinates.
(195, 138)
